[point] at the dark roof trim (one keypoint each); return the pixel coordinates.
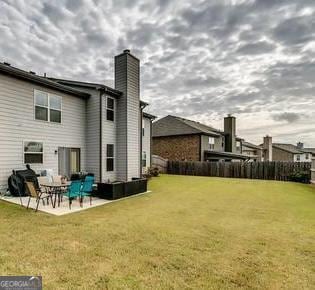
(250, 145)
(149, 116)
(226, 154)
(108, 90)
(31, 77)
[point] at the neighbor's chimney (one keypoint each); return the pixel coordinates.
(230, 133)
(127, 80)
(267, 147)
(300, 145)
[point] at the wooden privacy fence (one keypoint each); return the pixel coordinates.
(160, 163)
(272, 170)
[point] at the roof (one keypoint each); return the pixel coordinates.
(149, 116)
(288, 148)
(7, 69)
(107, 89)
(309, 150)
(210, 153)
(251, 145)
(173, 126)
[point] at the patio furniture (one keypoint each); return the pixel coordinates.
(87, 188)
(74, 191)
(57, 189)
(37, 194)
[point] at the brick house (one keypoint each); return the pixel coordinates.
(176, 138)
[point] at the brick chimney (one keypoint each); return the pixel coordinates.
(267, 148)
(300, 145)
(230, 133)
(127, 80)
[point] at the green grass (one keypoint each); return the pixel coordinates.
(190, 232)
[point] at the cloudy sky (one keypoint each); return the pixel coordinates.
(199, 59)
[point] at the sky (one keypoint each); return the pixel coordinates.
(200, 60)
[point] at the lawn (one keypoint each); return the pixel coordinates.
(189, 232)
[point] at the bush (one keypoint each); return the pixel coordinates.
(300, 176)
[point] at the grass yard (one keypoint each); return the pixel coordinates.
(190, 232)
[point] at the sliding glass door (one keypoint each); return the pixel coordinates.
(68, 161)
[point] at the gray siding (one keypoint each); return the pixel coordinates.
(205, 144)
(146, 141)
(128, 116)
(109, 137)
(18, 124)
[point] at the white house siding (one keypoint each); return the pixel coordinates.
(18, 124)
(302, 158)
(109, 129)
(146, 141)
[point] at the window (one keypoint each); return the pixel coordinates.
(47, 107)
(144, 159)
(211, 143)
(307, 156)
(238, 145)
(143, 131)
(33, 152)
(110, 157)
(110, 109)
(298, 157)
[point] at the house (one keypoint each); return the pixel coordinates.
(71, 126)
(176, 138)
(254, 152)
(290, 152)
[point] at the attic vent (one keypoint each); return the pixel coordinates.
(33, 73)
(6, 63)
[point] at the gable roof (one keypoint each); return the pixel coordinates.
(173, 125)
(9, 70)
(251, 145)
(288, 148)
(107, 89)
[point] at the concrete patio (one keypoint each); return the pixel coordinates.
(63, 209)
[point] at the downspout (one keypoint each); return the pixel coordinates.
(101, 137)
(151, 143)
(141, 132)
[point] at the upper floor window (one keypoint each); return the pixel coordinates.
(110, 109)
(142, 131)
(47, 107)
(33, 152)
(298, 157)
(307, 156)
(211, 143)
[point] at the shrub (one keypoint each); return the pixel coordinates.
(300, 176)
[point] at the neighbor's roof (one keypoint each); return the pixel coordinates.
(288, 148)
(9, 70)
(309, 150)
(89, 85)
(251, 145)
(173, 125)
(149, 116)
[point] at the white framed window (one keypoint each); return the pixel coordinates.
(238, 145)
(33, 152)
(298, 157)
(307, 156)
(110, 157)
(211, 143)
(110, 109)
(144, 159)
(48, 107)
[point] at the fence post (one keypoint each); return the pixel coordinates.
(313, 171)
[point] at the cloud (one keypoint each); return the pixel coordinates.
(199, 59)
(289, 117)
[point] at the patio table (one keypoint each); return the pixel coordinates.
(56, 189)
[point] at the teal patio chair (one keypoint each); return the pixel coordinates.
(74, 191)
(87, 188)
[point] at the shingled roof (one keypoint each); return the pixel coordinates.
(288, 147)
(173, 125)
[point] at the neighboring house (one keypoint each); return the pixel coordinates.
(289, 152)
(147, 141)
(177, 138)
(71, 126)
(254, 152)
